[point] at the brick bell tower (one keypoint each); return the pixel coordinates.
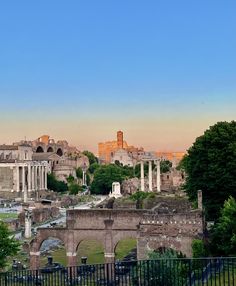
(120, 139)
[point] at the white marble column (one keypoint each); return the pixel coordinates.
(45, 178)
(42, 173)
(17, 178)
(33, 178)
(23, 178)
(158, 176)
(36, 177)
(40, 177)
(24, 186)
(150, 175)
(84, 183)
(29, 178)
(27, 224)
(142, 176)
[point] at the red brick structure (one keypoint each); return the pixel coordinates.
(152, 230)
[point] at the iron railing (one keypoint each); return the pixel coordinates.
(163, 272)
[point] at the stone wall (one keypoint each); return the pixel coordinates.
(122, 203)
(167, 204)
(151, 230)
(40, 215)
(172, 231)
(6, 182)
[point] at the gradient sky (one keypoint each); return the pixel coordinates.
(160, 70)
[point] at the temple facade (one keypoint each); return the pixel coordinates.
(20, 175)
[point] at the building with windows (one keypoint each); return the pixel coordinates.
(107, 150)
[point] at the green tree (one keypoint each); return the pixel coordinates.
(165, 166)
(93, 167)
(223, 233)
(79, 173)
(88, 179)
(8, 245)
(92, 158)
(55, 185)
(198, 248)
(70, 179)
(74, 189)
(105, 176)
(164, 269)
(210, 166)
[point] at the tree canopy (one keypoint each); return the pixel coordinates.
(55, 185)
(105, 175)
(8, 245)
(223, 233)
(92, 158)
(211, 167)
(165, 166)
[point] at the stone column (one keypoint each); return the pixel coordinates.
(17, 178)
(42, 177)
(36, 178)
(109, 257)
(142, 176)
(24, 187)
(39, 178)
(23, 178)
(109, 248)
(34, 260)
(27, 224)
(158, 176)
(109, 251)
(84, 181)
(29, 179)
(71, 259)
(33, 178)
(150, 175)
(46, 177)
(199, 199)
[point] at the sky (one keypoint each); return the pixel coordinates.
(161, 71)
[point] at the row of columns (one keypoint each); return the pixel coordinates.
(36, 177)
(158, 178)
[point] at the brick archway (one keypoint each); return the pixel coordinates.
(150, 229)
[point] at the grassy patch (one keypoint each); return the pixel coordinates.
(124, 247)
(5, 216)
(93, 250)
(58, 255)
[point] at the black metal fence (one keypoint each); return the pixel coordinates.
(164, 272)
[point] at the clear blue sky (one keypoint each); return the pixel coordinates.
(162, 71)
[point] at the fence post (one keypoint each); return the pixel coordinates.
(5, 278)
(148, 270)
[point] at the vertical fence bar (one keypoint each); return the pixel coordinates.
(233, 270)
(174, 272)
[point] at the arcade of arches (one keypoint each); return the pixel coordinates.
(151, 231)
(42, 149)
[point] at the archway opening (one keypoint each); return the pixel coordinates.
(92, 249)
(59, 152)
(39, 149)
(52, 253)
(50, 149)
(126, 250)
